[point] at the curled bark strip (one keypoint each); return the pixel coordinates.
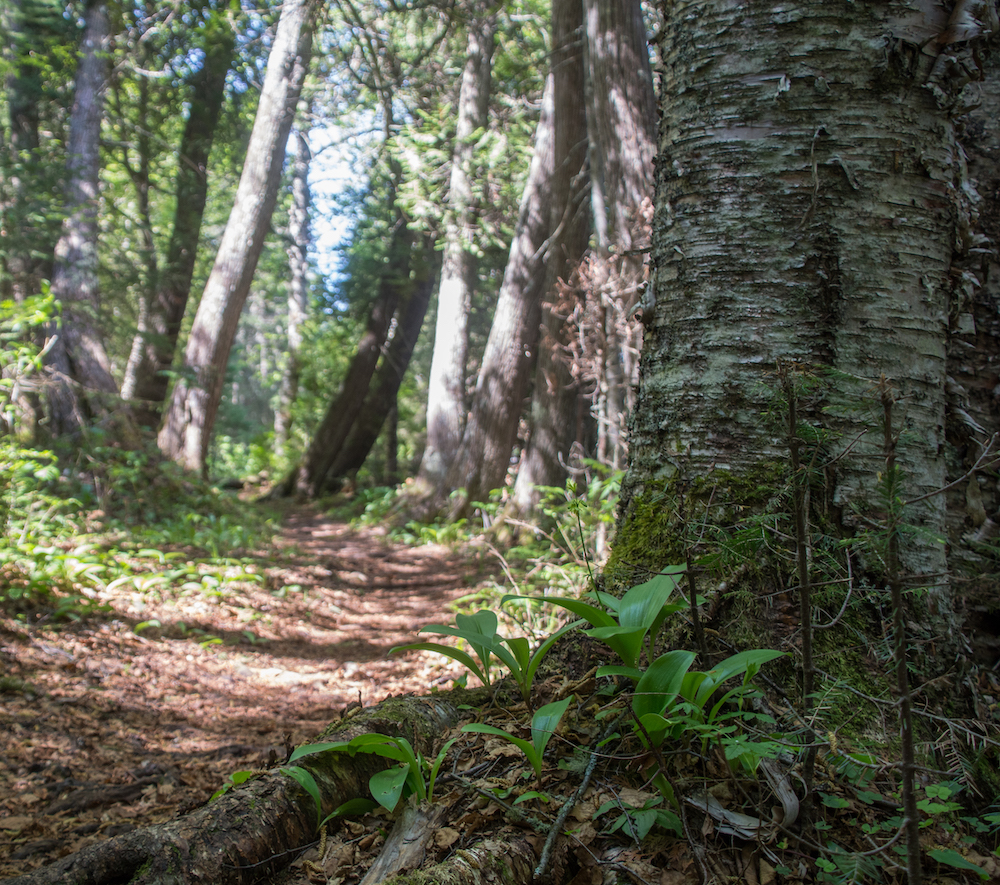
(487, 863)
(259, 827)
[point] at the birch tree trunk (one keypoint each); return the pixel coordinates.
(194, 402)
(446, 400)
(164, 303)
(79, 364)
(554, 421)
(298, 291)
(813, 207)
(484, 456)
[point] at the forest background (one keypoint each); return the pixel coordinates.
(812, 438)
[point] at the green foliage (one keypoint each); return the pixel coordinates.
(630, 624)
(413, 776)
(479, 631)
(543, 725)
(637, 822)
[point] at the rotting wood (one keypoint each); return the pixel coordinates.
(261, 826)
(490, 862)
(407, 843)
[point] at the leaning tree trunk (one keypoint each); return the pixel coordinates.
(554, 423)
(194, 402)
(309, 476)
(146, 375)
(491, 432)
(298, 291)
(380, 402)
(446, 404)
(812, 207)
(81, 370)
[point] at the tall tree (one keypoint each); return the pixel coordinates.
(81, 370)
(309, 476)
(194, 402)
(555, 420)
(446, 399)
(298, 290)
(164, 299)
(819, 213)
(498, 402)
(621, 120)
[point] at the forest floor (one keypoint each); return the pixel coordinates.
(107, 725)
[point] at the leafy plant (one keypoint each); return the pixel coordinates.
(671, 700)
(626, 624)
(479, 630)
(543, 725)
(414, 775)
(637, 822)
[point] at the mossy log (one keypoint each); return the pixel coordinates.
(255, 829)
(490, 862)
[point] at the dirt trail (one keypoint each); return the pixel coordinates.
(118, 728)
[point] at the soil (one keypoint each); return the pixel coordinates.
(115, 722)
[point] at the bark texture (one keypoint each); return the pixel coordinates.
(446, 400)
(621, 121)
(252, 831)
(298, 291)
(484, 456)
(165, 301)
(555, 419)
(194, 402)
(79, 364)
(811, 203)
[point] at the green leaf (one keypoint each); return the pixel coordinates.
(954, 859)
(633, 673)
(526, 747)
(834, 801)
(456, 654)
(351, 808)
(546, 721)
(590, 613)
(387, 786)
(662, 682)
(309, 749)
(308, 783)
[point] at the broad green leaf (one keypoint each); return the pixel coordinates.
(456, 654)
(308, 783)
(520, 649)
(387, 786)
(543, 649)
(641, 605)
(526, 747)
(633, 673)
(351, 808)
(626, 642)
(590, 613)
(546, 721)
(662, 682)
(309, 749)
(954, 859)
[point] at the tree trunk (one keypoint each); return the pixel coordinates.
(194, 402)
(814, 211)
(309, 478)
(252, 831)
(555, 397)
(381, 397)
(621, 121)
(165, 301)
(298, 291)
(446, 402)
(79, 364)
(484, 456)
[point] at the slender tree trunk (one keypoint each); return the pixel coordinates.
(381, 397)
(165, 299)
(446, 401)
(298, 291)
(79, 364)
(484, 457)
(194, 402)
(622, 127)
(309, 478)
(554, 401)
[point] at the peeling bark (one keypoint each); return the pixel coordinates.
(811, 200)
(258, 828)
(488, 863)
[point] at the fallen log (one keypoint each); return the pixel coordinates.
(260, 827)
(489, 862)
